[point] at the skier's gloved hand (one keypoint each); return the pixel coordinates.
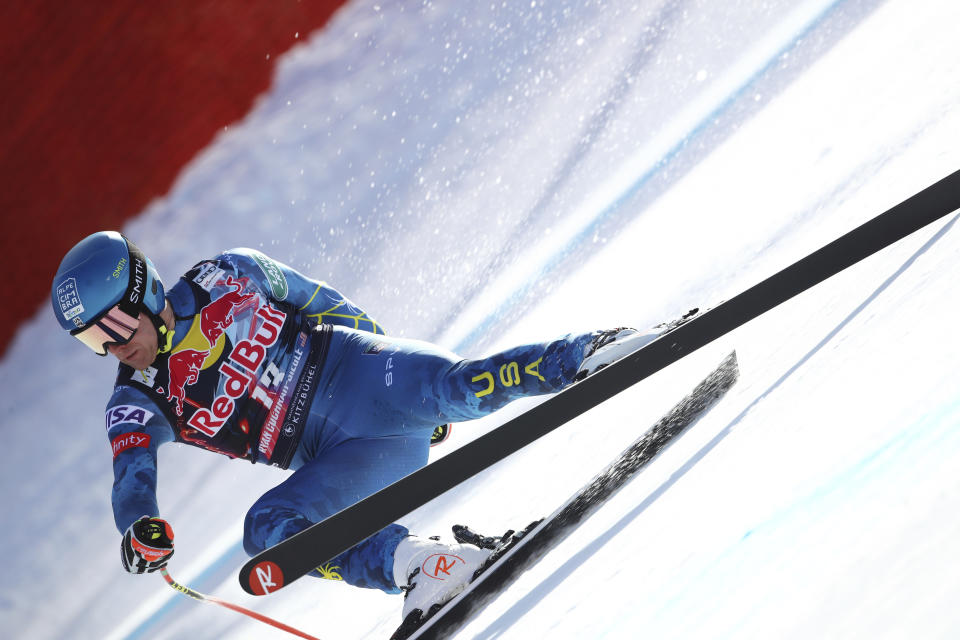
(147, 545)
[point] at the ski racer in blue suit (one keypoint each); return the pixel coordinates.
(248, 358)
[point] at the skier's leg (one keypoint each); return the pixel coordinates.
(473, 388)
(405, 386)
(335, 479)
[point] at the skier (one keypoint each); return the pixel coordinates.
(248, 358)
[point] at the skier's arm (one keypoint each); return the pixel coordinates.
(135, 428)
(318, 300)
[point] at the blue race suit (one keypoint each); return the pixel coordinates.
(273, 367)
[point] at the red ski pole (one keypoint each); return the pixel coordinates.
(196, 595)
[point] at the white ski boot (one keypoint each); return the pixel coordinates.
(431, 572)
(610, 346)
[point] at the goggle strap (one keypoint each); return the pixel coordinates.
(136, 292)
(137, 282)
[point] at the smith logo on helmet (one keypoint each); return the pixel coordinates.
(139, 279)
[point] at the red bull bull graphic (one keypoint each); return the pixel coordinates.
(218, 315)
(184, 367)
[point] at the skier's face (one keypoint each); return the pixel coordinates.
(141, 351)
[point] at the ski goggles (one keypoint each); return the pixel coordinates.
(117, 324)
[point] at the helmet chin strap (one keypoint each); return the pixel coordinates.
(164, 335)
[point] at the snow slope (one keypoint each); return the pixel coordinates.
(482, 174)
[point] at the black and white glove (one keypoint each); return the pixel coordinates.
(147, 545)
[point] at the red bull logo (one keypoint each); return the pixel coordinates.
(218, 315)
(239, 372)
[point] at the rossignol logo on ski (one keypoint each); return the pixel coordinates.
(439, 565)
(265, 578)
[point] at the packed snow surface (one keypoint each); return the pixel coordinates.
(481, 174)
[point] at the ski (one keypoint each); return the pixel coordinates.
(519, 552)
(298, 555)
